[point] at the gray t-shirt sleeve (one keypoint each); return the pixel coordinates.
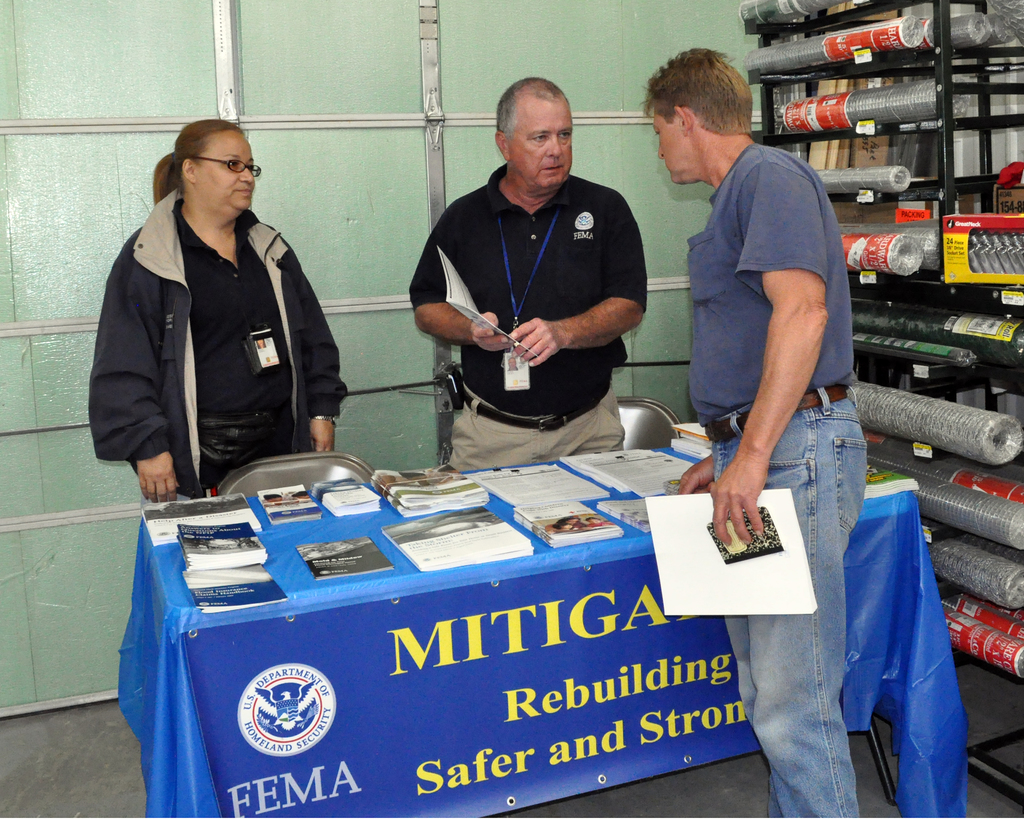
(783, 225)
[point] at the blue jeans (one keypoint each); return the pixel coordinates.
(790, 667)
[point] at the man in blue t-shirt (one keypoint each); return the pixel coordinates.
(772, 359)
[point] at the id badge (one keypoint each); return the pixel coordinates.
(260, 349)
(517, 372)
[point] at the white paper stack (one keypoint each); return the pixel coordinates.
(220, 547)
(633, 512)
(345, 496)
(691, 440)
(162, 519)
(640, 471)
(230, 589)
(882, 482)
(427, 491)
(461, 538)
(563, 524)
(543, 483)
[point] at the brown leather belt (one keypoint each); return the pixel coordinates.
(545, 423)
(721, 430)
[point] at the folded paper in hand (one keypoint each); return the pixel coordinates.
(694, 578)
(459, 297)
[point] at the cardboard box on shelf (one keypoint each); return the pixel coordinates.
(1008, 201)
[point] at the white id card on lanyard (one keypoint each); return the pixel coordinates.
(517, 372)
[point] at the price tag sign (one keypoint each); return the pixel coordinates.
(866, 127)
(861, 55)
(921, 371)
(868, 277)
(1013, 297)
(927, 534)
(865, 197)
(922, 450)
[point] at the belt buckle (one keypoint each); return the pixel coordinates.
(550, 423)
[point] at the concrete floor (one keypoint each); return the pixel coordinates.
(85, 762)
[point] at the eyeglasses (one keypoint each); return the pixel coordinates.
(236, 165)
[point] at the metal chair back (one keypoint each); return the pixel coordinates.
(648, 423)
(296, 468)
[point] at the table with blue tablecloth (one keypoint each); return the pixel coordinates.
(471, 691)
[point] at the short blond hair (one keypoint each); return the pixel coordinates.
(703, 81)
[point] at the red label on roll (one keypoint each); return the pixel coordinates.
(990, 485)
(868, 251)
(818, 113)
(883, 38)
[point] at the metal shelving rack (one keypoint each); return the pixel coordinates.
(966, 71)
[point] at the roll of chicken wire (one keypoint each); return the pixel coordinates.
(916, 350)
(780, 11)
(981, 435)
(883, 253)
(996, 251)
(1001, 33)
(1012, 12)
(885, 178)
(996, 339)
(965, 31)
(889, 35)
(975, 512)
(928, 232)
(984, 574)
(904, 102)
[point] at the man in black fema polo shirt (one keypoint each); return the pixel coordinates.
(557, 263)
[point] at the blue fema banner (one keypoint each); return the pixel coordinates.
(466, 701)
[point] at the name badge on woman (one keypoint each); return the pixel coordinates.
(260, 349)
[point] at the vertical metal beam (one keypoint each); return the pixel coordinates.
(226, 62)
(944, 108)
(434, 142)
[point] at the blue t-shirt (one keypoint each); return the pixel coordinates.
(771, 212)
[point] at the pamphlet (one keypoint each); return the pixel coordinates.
(338, 558)
(220, 547)
(162, 519)
(524, 485)
(288, 503)
(229, 589)
(563, 524)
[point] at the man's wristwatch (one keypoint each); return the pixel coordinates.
(332, 418)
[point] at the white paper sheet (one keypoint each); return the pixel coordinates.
(694, 578)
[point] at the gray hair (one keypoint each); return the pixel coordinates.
(537, 87)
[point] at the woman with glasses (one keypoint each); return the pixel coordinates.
(212, 349)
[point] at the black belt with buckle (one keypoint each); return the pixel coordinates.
(721, 430)
(544, 423)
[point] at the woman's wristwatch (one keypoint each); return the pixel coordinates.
(332, 418)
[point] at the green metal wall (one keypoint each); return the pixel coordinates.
(352, 202)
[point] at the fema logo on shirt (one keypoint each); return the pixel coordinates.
(286, 709)
(584, 223)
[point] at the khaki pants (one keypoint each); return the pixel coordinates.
(482, 443)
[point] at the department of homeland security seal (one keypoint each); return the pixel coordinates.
(286, 709)
(585, 221)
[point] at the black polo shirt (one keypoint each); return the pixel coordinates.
(595, 252)
(226, 302)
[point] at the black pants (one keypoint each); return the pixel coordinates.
(280, 443)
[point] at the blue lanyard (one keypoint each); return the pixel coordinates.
(517, 308)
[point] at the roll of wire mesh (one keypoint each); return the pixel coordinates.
(903, 102)
(889, 35)
(982, 573)
(990, 517)
(780, 11)
(928, 232)
(885, 178)
(981, 435)
(1001, 33)
(965, 31)
(1012, 12)
(883, 253)
(996, 251)
(916, 350)
(996, 339)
